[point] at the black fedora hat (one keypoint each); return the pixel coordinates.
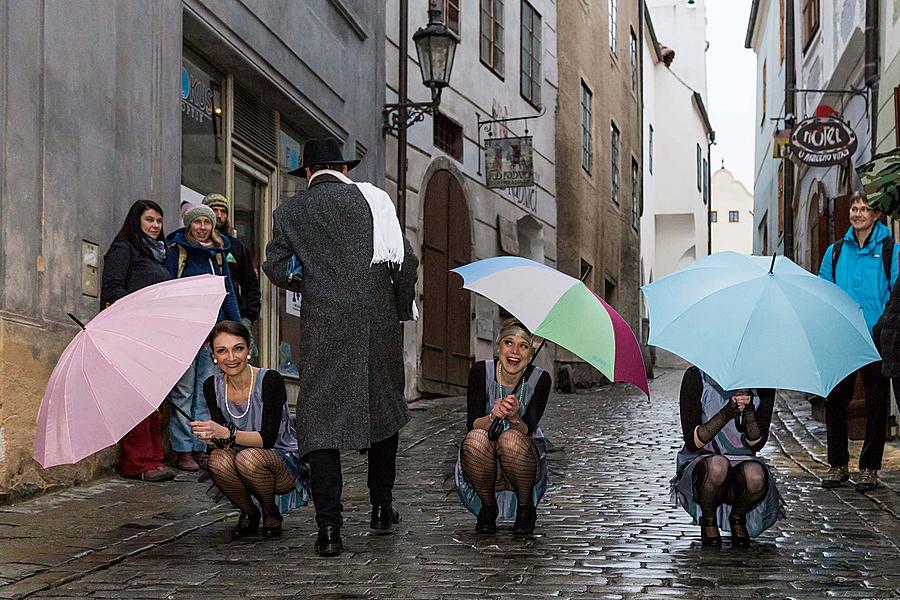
(322, 151)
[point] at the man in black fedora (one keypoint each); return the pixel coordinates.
(340, 245)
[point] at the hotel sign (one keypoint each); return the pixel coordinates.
(508, 162)
(823, 141)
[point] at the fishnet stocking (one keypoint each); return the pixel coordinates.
(709, 480)
(520, 463)
(265, 475)
(251, 472)
(750, 483)
(479, 464)
(225, 475)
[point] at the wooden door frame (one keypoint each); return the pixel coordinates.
(440, 163)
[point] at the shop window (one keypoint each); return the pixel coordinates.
(530, 76)
(202, 135)
(290, 151)
(448, 136)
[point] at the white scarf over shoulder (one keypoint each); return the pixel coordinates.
(387, 236)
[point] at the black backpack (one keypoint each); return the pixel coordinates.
(887, 255)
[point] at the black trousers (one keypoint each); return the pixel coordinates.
(877, 398)
(327, 481)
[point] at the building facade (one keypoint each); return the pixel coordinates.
(505, 67)
(678, 136)
(732, 215)
(598, 153)
(104, 103)
(888, 104)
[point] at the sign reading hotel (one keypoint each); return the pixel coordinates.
(508, 162)
(823, 141)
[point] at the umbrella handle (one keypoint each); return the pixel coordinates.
(497, 426)
(74, 318)
(179, 411)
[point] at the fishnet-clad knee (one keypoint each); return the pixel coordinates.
(265, 475)
(479, 464)
(225, 475)
(751, 482)
(709, 480)
(520, 463)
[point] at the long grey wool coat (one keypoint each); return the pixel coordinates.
(351, 348)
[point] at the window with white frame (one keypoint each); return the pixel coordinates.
(530, 55)
(492, 35)
(613, 23)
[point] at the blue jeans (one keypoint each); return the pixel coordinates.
(188, 396)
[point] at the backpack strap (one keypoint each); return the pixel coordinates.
(835, 253)
(887, 256)
(182, 260)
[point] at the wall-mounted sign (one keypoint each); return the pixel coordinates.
(823, 142)
(508, 162)
(780, 143)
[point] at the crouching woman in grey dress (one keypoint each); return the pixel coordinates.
(719, 479)
(255, 461)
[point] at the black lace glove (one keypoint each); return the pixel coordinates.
(708, 430)
(750, 422)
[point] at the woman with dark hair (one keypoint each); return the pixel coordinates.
(506, 476)
(197, 249)
(135, 260)
(719, 479)
(255, 461)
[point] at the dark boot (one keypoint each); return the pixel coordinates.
(384, 517)
(526, 517)
(487, 520)
(273, 529)
(329, 541)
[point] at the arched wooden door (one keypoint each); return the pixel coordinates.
(446, 306)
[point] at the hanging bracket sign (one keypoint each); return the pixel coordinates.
(508, 162)
(823, 142)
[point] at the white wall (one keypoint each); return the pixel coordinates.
(682, 27)
(648, 219)
(730, 195)
(766, 45)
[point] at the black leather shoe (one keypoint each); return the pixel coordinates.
(329, 541)
(248, 525)
(384, 517)
(487, 520)
(526, 517)
(739, 536)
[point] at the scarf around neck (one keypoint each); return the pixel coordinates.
(387, 236)
(157, 247)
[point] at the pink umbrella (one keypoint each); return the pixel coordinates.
(121, 366)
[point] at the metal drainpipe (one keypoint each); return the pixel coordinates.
(790, 107)
(871, 73)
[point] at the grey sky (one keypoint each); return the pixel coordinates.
(731, 79)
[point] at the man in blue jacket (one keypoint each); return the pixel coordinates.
(859, 264)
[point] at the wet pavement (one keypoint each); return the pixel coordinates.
(606, 528)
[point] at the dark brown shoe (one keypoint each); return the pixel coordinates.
(186, 462)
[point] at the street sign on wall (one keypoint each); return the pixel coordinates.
(823, 141)
(508, 162)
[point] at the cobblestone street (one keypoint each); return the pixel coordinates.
(606, 529)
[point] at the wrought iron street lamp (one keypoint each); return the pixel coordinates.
(436, 48)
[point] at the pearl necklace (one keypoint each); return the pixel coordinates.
(501, 372)
(249, 393)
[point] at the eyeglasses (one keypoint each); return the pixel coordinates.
(860, 209)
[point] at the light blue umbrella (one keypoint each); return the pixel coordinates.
(756, 321)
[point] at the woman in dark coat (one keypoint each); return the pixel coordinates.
(135, 260)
